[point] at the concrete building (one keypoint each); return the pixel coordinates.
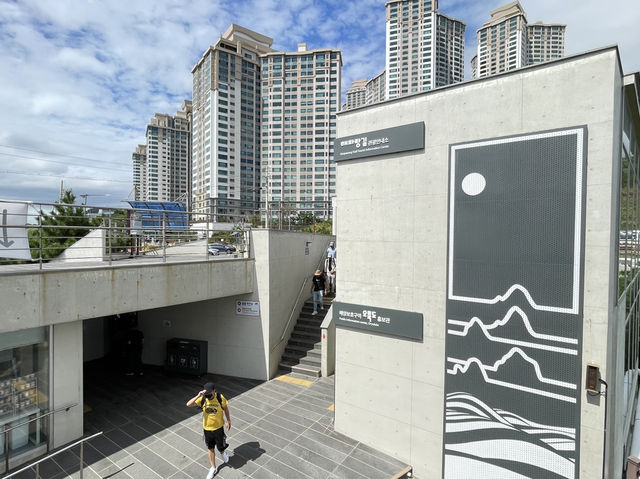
(139, 159)
(161, 167)
(507, 42)
(424, 48)
(501, 336)
(226, 125)
(300, 99)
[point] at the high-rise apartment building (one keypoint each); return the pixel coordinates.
(424, 48)
(356, 95)
(226, 125)
(139, 159)
(376, 88)
(263, 127)
(507, 42)
(300, 99)
(168, 157)
(546, 42)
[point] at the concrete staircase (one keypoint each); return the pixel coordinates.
(302, 354)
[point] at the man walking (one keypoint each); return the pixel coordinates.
(213, 404)
(331, 250)
(330, 271)
(317, 288)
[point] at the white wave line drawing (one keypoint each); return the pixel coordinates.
(485, 329)
(462, 366)
(460, 400)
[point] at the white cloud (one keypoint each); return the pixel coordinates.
(83, 78)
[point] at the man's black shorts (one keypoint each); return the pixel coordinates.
(216, 438)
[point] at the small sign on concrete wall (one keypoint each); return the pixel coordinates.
(380, 142)
(392, 322)
(248, 308)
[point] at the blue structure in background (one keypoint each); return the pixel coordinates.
(153, 213)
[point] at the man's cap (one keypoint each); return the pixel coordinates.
(209, 388)
(318, 272)
(331, 243)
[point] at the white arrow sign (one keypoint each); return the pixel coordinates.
(14, 242)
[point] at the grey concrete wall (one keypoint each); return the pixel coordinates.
(66, 382)
(283, 272)
(244, 346)
(392, 230)
(51, 297)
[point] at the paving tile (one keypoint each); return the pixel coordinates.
(322, 449)
(135, 469)
(342, 472)
(366, 470)
(285, 422)
(283, 470)
(305, 467)
(276, 429)
(263, 473)
(311, 456)
(155, 462)
(375, 459)
(267, 437)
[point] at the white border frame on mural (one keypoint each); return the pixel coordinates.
(579, 132)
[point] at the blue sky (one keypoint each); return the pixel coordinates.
(80, 79)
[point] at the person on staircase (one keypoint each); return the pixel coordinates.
(330, 273)
(317, 288)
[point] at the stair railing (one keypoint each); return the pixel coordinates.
(295, 305)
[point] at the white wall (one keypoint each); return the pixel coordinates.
(397, 204)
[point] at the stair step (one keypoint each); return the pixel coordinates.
(310, 336)
(302, 350)
(303, 328)
(301, 358)
(300, 369)
(306, 343)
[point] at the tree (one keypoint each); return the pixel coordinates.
(65, 225)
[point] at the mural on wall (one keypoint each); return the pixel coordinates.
(514, 307)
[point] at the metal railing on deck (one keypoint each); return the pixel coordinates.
(54, 233)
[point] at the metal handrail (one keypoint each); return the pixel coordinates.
(49, 456)
(7, 430)
(295, 307)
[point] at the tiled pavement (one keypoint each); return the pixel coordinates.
(282, 428)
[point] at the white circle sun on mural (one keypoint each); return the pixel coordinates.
(473, 184)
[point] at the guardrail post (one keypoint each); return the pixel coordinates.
(40, 239)
(164, 237)
(109, 235)
(6, 448)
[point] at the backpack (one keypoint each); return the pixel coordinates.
(204, 401)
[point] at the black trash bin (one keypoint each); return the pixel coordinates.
(188, 356)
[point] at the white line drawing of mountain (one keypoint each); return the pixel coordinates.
(507, 294)
(504, 441)
(463, 365)
(467, 325)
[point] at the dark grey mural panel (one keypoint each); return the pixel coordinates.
(514, 307)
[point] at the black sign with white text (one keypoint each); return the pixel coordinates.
(380, 142)
(391, 322)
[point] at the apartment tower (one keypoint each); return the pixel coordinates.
(168, 157)
(507, 42)
(424, 48)
(300, 99)
(356, 95)
(139, 159)
(226, 125)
